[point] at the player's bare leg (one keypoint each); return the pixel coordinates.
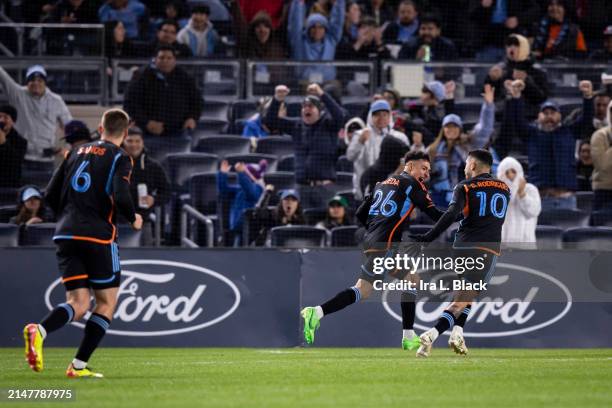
(312, 315)
(96, 327)
(76, 305)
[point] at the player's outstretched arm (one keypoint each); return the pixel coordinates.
(449, 216)
(121, 190)
(364, 209)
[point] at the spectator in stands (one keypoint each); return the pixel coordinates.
(600, 118)
(524, 206)
(12, 148)
(76, 12)
(550, 145)
(276, 9)
(367, 46)
(378, 10)
(116, 43)
(148, 172)
(604, 54)
(493, 20)
(437, 100)
(337, 214)
(315, 136)
(199, 35)
(254, 127)
(167, 36)
(364, 148)
(174, 10)
(40, 113)
(392, 150)
(601, 152)
(430, 45)
(557, 36)
(243, 195)
(30, 207)
(76, 133)
(450, 149)
(256, 39)
(316, 40)
(132, 13)
(406, 27)
(287, 212)
(351, 22)
(163, 99)
(351, 128)
(584, 166)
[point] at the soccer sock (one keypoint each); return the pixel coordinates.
(341, 300)
(56, 319)
(460, 321)
(408, 306)
(95, 329)
(445, 322)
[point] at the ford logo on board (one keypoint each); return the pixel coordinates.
(161, 298)
(519, 315)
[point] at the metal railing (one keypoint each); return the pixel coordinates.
(82, 82)
(215, 78)
(190, 216)
(55, 39)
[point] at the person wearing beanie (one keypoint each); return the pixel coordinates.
(40, 113)
(315, 139)
(12, 148)
(451, 147)
(199, 34)
(364, 148)
(243, 195)
(76, 133)
(316, 39)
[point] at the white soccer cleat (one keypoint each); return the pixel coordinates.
(456, 341)
(427, 340)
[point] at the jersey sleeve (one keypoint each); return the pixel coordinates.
(121, 188)
(422, 200)
(454, 209)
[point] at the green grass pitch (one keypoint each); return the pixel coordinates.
(323, 377)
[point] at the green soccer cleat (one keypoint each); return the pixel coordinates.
(311, 323)
(411, 344)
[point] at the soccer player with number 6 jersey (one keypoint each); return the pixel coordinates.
(86, 192)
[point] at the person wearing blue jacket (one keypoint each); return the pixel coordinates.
(243, 195)
(315, 39)
(315, 139)
(550, 144)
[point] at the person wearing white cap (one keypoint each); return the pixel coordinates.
(40, 113)
(30, 208)
(364, 148)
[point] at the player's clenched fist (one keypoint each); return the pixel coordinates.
(281, 92)
(137, 224)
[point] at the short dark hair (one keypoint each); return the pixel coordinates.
(430, 18)
(115, 122)
(407, 3)
(165, 47)
(201, 9)
(414, 156)
(482, 156)
(170, 22)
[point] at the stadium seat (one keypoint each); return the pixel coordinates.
(281, 180)
(602, 218)
(344, 236)
(9, 235)
(564, 218)
(297, 236)
(181, 166)
(214, 109)
(127, 237)
(6, 212)
(286, 163)
(344, 180)
(276, 145)
(549, 237)
(242, 109)
(253, 158)
(294, 108)
(344, 164)
(160, 150)
(209, 125)
(236, 127)
(203, 191)
(37, 235)
(589, 238)
(223, 145)
(584, 200)
(314, 215)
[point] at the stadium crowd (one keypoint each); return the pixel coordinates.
(547, 156)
